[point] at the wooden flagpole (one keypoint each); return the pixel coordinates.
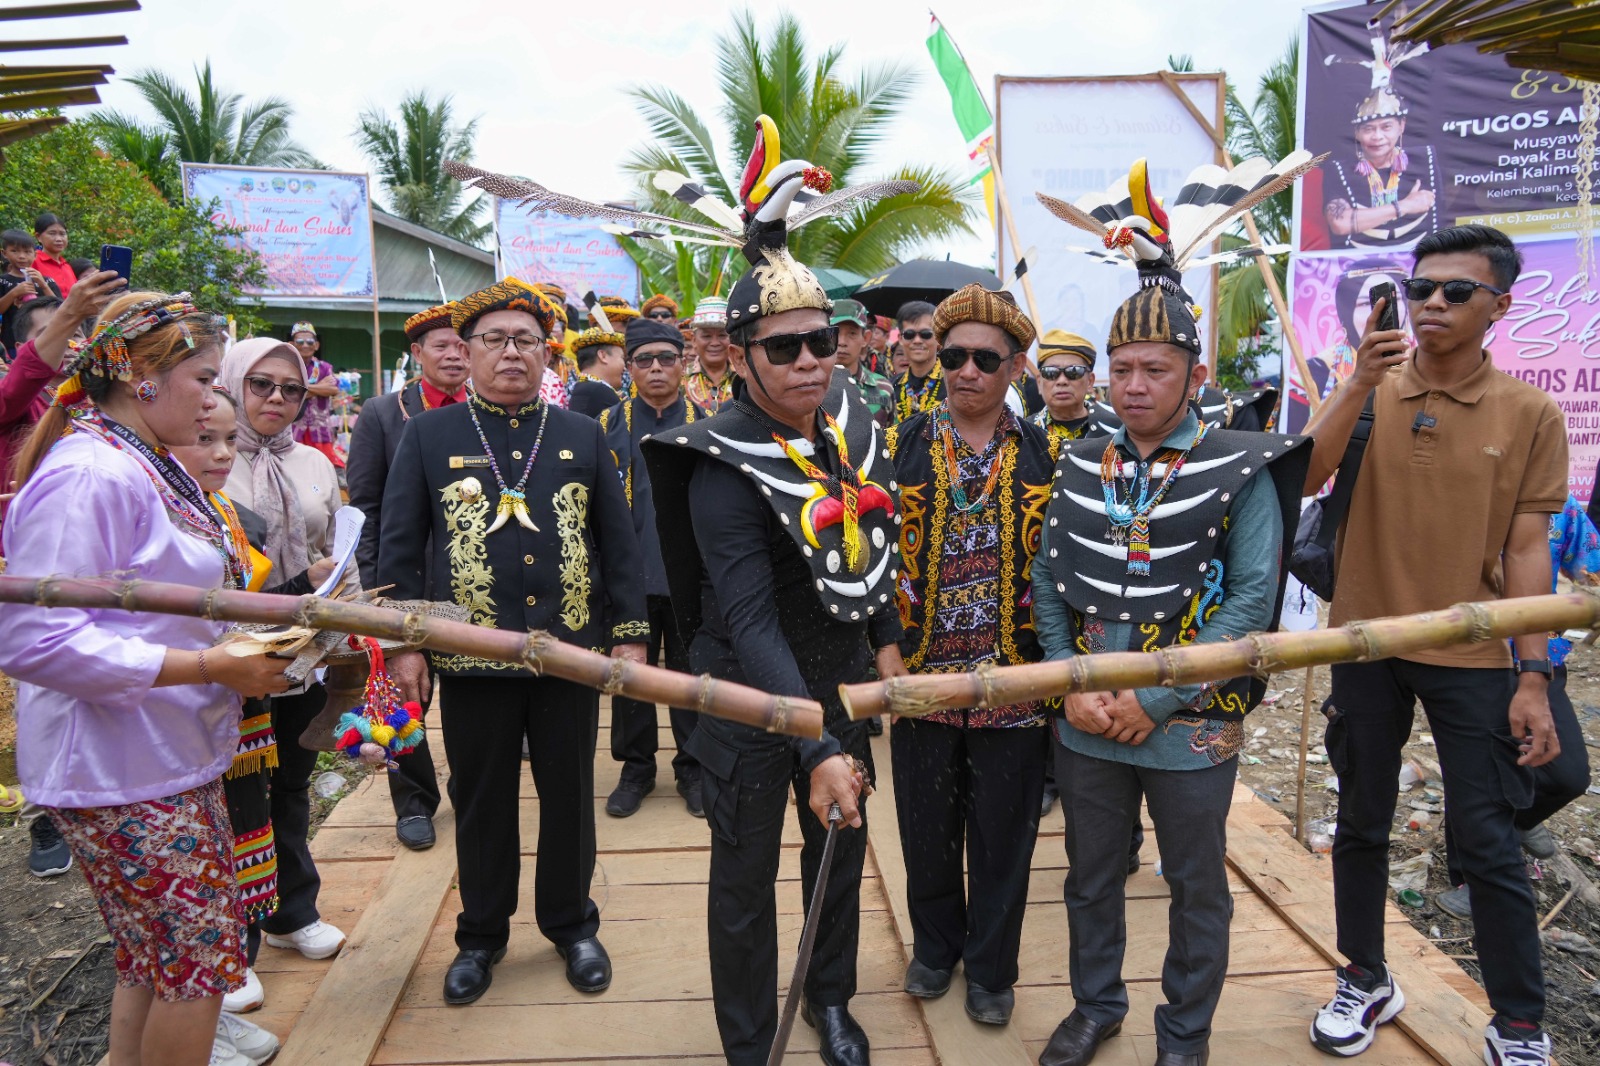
(1003, 205)
(1274, 291)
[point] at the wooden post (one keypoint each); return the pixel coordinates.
(1281, 306)
(1305, 744)
(1003, 205)
(377, 329)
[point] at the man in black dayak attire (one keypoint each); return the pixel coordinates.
(655, 359)
(529, 530)
(442, 358)
(777, 521)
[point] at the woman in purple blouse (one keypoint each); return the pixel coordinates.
(127, 722)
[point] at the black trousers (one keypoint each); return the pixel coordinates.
(1369, 720)
(746, 775)
(1100, 799)
(633, 724)
(414, 785)
(484, 720)
(1555, 784)
(290, 784)
(980, 788)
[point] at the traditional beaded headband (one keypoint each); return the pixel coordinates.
(106, 354)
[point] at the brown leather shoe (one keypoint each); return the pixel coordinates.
(1076, 1040)
(1172, 1058)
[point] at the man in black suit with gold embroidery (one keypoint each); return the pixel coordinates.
(530, 531)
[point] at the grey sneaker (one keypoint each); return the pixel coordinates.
(1539, 842)
(1456, 902)
(49, 856)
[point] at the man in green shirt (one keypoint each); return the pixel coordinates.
(877, 391)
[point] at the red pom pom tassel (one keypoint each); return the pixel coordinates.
(414, 709)
(817, 178)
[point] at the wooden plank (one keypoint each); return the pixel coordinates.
(66, 10)
(957, 1039)
(346, 1019)
(1438, 1017)
(46, 46)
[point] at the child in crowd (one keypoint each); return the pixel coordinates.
(20, 283)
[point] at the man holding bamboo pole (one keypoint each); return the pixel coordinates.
(974, 480)
(1168, 533)
(515, 507)
(1451, 436)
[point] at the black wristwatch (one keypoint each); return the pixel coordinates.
(1535, 666)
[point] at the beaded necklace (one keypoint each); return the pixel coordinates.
(910, 402)
(958, 490)
(1384, 192)
(239, 541)
(513, 501)
(1130, 521)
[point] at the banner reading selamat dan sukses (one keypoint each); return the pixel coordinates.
(312, 228)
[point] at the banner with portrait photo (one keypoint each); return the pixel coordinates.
(1426, 139)
(1550, 338)
(311, 228)
(574, 253)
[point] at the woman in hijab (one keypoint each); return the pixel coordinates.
(294, 491)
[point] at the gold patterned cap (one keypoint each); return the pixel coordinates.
(424, 321)
(617, 310)
(594, 337)
(660, 299)
(978, 304)
(1060, 342)
(508, 294)
(556, 293)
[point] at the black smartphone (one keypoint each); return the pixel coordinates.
(116, 257)
(1389, 317)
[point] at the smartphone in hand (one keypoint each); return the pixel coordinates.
(118, 258)
(1389, 317)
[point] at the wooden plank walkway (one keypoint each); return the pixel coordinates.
(380, 1001)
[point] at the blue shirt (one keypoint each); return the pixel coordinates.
(1574, 551)
(1181, 740)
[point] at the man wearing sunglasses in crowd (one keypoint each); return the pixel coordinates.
(315, 425)
(660, 308)
(1464, 467)
(1066, 379)
(655, 359)
(920, 387)
(974, 480)
(877, 391)
(777, 523)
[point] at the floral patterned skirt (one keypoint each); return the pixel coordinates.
(162, 875)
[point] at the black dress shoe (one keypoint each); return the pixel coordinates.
(415, 832)
(469, 975)
(627, 796)
(693, 796)
(588, 965)
(843, 1041)
(1172, 1058)
(990, 1008)
(1076, 1040)
(925, 982)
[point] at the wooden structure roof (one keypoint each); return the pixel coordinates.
(1561, 36)
(27, 90)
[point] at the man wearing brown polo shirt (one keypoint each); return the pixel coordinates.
(1463, 469)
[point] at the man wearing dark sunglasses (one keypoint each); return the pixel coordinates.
(1066, 378)
(777, 523)
(1463, 469)
(921, 386)
(974, 480)
(660, 307)
(655, 359)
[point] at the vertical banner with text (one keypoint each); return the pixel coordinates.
(311, 228)
(574, 253)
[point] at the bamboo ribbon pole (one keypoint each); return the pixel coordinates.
(538, 651)
(1257, 654)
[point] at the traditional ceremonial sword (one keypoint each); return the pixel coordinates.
(808, 939)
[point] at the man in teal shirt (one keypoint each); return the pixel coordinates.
(1166, 534)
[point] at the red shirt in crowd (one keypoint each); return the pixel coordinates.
(435, 397)
(57, 270)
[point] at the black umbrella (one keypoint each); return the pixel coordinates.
(921, 279)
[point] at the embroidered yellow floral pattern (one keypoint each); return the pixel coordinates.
(471, 580)
(572, 515)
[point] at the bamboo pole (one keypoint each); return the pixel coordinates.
(539, 651)
(1258, 654)
(1003, 205)
(1305, 744)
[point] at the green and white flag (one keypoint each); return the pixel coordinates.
(966, 99)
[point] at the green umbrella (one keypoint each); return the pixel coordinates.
(838, 282)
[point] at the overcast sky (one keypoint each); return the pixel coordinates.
(550, 81)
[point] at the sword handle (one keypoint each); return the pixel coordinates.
(834, 813)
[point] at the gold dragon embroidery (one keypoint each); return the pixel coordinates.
(471, 580)
(572, 515)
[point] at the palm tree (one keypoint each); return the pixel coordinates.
(824, 116)
(408, 157)
(209, 126)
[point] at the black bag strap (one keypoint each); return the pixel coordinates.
(1337, 504)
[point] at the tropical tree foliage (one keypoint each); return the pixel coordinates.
(408, 156)
(104, 200)
(209, 125)
(825, 115)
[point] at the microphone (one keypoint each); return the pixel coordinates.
(1423, 421)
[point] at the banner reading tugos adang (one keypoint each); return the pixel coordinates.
(311, 228)
(1550, 338)
(1424, 139)
(574, 253)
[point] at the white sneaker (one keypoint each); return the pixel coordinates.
(1499, 1049)
(224, 1054)
(319, 940)
(251, 1041)
(247, 998)
(1350, 1020)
